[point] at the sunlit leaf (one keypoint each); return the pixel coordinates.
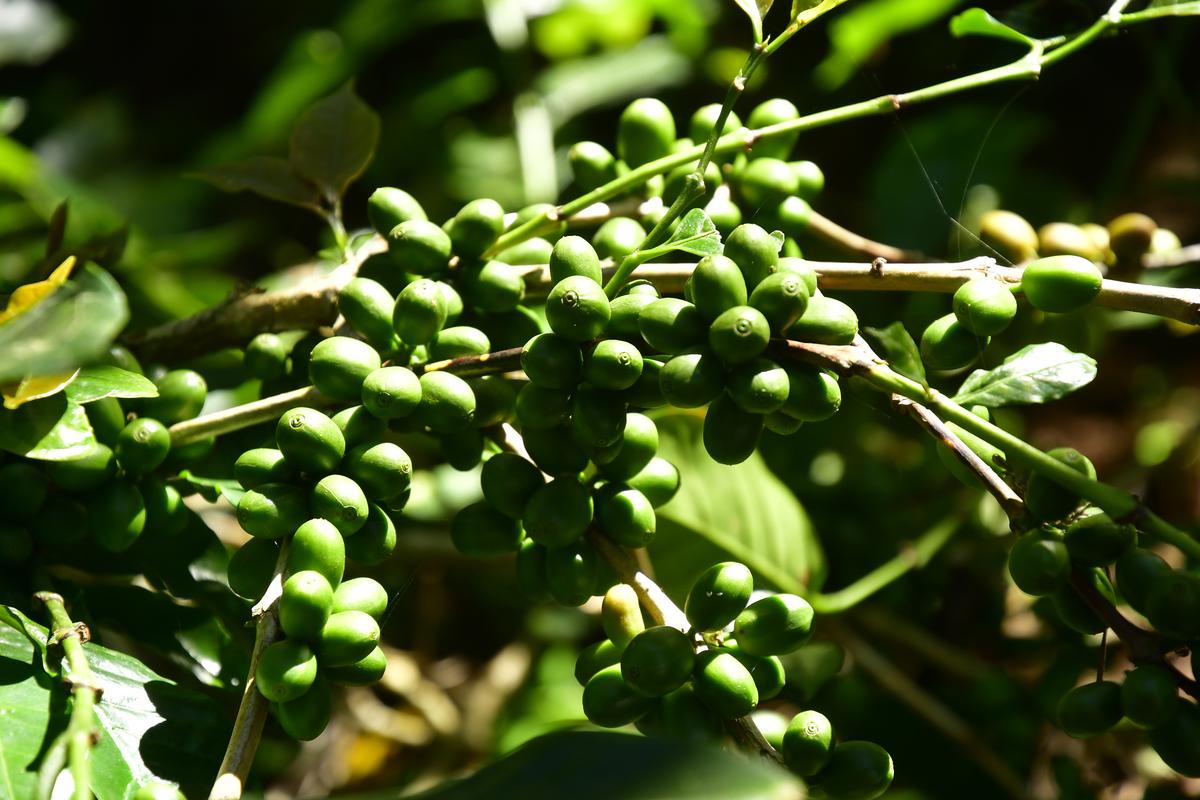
(900, 351)
(334, 141)
(977, 22)
(51, 429)
(26, 297)
(273, 178)
(97, 383)
(755, 10)
(1038, 373)
(17, 395)
(696, 234)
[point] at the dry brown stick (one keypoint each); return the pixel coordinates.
(825, 228)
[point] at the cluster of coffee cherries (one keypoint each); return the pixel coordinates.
(692, 683)
(1119, 246)
(113, 492)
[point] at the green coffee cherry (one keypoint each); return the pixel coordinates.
(645, 131)
(1009, 235)
(639, 443)
(262, 465)
(1163, 242)
(495, 400)
(166, 515)
(717, 597)
(771, 112)
(825, 321)
(947, 344)
(625, 515)
(305, 605)
(705, 119)
(1039, 563)
(800, 268)
(107, 419)
(93, 470)
(1076, 613)
(793, 217)
(1091, 709)
(716, 285)
(724, 684)
(531, 571)
(1096, 540)
(613, 364)
(452, 299)
(807, 743)
(476, 227)
(286, 670)
(1061, 283)
(984, 306)
(1149, 695)
(618, 237)
(309, 440)
(592, 165)
(755, 251)
(658, 660)
(480, 531)
(774, 625)
(387, 207)
(359, 426)
(341, 501)
(658, 481)
(367, 670)
(143, 445)
(780, 423)
(158, 790)
(1045, 499)
(458, 342)
(571, 573)
(577, 309)
(597, 417)
(307, 716)
(1137, 572)
(766, 182)
(463, 449)
(759, 386)
(677, 181)
(809, 178)
(266, 356)
(23, 490)
(318, 546)
(375, 540)
(558, 512)
(724, 213)
(767, 671)
(347, 637)
(251, 567)
(610, 702)
(1065, 239)
(552, 361)
(420, 312)
(646, 391)
(116, 515)
(273, 510)
(1130, 237)
(555, 451)
(739, 334)
(594, 658)
(1173, 605)
(368, 306)
(730, 434)
(856, 771)
(574, 255)
(181, 395)
(1177, 740)
(382, 470)
(621, 616)
(671, 325)
(625, 310)
(531, 251)
(538, 408)
(447, 402)
(493, 287)
(782, 297)
(419, 246)
(813, 395)
(390, 392)
(361, 594)
(339, 365)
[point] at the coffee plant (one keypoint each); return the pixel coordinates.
(578, 397)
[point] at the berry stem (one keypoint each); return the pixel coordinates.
(81, 733)
(243, 416)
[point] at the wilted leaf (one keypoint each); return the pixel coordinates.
(28, 389)
(51, 429)
(273, 178)
(1038, 373)
(97, 383)
(900, 351)
(26, 297)
(977, 22)
(334, 141)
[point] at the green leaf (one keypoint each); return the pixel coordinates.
(696, 234)
(1038, 373)
(150, 729)
(70, 327)
(742, 512)
(755, 10)
(97, 383)
(16, 619)
(900, 351)
(334, 141)
(213, 488)
(977, 22)
(52, 429)
(272, 178)
(601, 765)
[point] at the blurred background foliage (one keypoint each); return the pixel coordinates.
(113, 111)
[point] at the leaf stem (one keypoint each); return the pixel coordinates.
(81, 732)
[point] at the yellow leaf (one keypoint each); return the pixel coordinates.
(35, 388)
(27, 296)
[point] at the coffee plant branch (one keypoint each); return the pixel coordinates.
(81, 733)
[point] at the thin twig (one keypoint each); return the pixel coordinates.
(243, 416)
(81, 733)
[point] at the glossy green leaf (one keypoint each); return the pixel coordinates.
(900, 351)
(52, 429)
(1038, 373)
(150, 729)
(755, 10)
(97, 383)
(72, 326)
(17, 620)
(742, 512)
(977, 22)
(595, 765)
(269, 177)
(696, 234)
(334, 141)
